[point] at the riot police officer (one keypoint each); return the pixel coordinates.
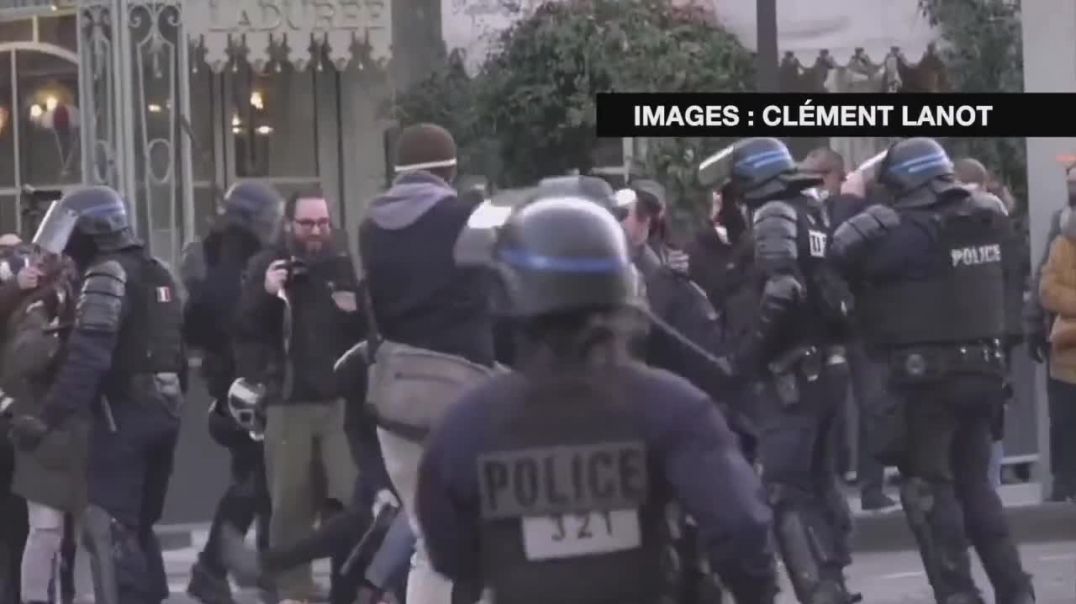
(550, 483)
(931, 261)
(794, 357)
(123, 363)
(212, 271)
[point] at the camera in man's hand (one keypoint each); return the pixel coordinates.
(297, 269)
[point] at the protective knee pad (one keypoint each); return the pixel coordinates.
(810, 518)
(808, 547)
(946, 562)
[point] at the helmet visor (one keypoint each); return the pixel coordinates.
(55, 229)
(869, 169)
(716, 170)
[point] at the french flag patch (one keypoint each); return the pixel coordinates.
(164, 294)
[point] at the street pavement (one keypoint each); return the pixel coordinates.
(882, 577)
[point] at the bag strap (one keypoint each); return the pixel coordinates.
(373, 337)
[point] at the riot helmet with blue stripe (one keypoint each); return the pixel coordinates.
(84, 220)
(917, 172)
(563, 254)
(754, 170)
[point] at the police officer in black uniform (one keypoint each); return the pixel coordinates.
(212, 270)
(793, 355)
(928, 257)
(123, 363)
(549, 484)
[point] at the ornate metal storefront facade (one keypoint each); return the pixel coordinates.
(170, 101)
(136, 95)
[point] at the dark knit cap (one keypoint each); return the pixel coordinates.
(425, 147)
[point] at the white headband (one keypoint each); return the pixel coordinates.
(625, 197)
(441, 163)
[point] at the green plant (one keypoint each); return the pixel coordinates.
(539, 85)
(984, 53)
(447, 97)
(530, 111)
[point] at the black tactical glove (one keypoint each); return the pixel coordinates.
(27, 432)
(1038, 346)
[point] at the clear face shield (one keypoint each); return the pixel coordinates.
(716, 170)
(868, 170)
(55, 229)
(476, 241)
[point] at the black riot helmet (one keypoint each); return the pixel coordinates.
(84, 216)
(558, 254)
(755, 170)
(917, 172)
(254, 207)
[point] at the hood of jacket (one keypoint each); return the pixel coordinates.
(408, 199)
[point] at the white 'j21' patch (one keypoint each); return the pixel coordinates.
(817, 240)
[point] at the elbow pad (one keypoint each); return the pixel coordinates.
(775, 229)
(868, 225)
(100, 304)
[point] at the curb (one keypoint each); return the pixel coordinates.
(879, 532)
(174, 537)
(1036, 523)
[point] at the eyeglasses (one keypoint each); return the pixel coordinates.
(306, 223)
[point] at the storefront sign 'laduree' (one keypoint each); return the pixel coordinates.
(256, 25)
(293, 15)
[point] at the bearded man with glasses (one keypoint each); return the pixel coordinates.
(298, 315)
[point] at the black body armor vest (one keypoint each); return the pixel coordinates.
(821, 320)
(568, 511)
(960, 298)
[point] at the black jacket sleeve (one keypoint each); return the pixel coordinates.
(259, 321)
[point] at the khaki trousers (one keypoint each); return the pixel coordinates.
(298, 435)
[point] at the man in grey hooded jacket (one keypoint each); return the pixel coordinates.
(420, 298)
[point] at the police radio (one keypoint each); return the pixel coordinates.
(246, 404)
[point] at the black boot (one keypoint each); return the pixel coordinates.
(208, 586)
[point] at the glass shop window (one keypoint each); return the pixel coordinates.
(272, 119)
(48, 116)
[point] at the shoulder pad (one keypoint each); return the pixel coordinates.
(100, 304)
(865, 226)
(775, 209)
(776, 226)
(109, 268)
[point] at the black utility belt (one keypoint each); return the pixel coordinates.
(926, 364)
(809, 360)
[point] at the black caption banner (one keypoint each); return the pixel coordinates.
(824, 115)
